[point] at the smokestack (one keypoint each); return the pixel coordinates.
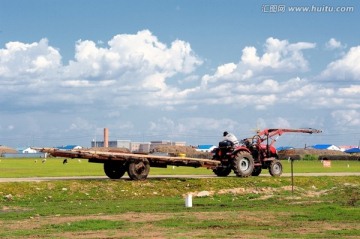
(106, 137)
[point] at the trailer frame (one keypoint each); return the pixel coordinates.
(136, 165)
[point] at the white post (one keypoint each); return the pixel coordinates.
(188, 200)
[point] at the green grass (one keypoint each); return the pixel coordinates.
(54, 167)
(321, 207)
(263, 207)
(86, 224)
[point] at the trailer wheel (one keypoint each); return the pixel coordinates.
(275, 168)
(222, 171)
(139, 169)
(114, 170)
(243, 164)
(257, 171)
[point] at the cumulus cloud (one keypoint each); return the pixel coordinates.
(138, 60)
(19, 59)
(278, 55)
(138, 72)
(346, 68)
(334, 44)
(137, 63)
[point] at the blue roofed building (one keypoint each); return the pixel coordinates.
(326, 147)
(69, 147)
(353, 151)
(284, 148)
(205, 147)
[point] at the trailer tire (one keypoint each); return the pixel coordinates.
(114, 170)
(222, 171)
(275, 168)
(139, 169)
(243, 164)
(257, 171)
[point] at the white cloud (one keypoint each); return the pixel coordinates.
(281, 122)
(38, 59)
(347, 118)
(352, 90)
(129, 63)
(80, 124)
(107, 82)
(334, 44)
(141, 57)
(278, 55)
(346, 68)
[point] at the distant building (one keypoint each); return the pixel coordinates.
(205, 148)
(284, 148)
(325, 147)
(113, 144)
(138, 147)
(353, 151)
(144, 148)
(343, 148)
(69, 147)
(27, 150)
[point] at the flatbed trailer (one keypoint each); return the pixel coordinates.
(136, 165)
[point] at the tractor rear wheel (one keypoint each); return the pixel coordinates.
(222, 171)
(275, 168)
(257, 171)
(139, 169)
(114, 169)
(243, 164)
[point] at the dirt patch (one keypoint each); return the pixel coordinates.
(263, 192)
(13, 209)
(228, 224)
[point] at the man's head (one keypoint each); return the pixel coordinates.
(225, 133)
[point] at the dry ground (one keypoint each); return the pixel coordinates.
(143, 225)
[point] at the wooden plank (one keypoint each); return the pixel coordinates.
(97, 156)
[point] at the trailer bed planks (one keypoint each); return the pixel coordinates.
(155, 160)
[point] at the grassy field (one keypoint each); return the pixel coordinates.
(13, 168)
(256, 207)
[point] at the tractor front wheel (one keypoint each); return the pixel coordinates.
(139, 169)
(243, 164)
(275, 168)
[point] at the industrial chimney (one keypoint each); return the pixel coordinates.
(106, 137)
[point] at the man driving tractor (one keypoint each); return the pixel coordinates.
(231, 137)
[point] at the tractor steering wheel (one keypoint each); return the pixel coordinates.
(256, 138)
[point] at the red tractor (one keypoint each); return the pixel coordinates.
(253, 155)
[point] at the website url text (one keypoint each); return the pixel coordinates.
(280, 8)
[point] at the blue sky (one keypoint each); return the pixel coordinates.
(177, 70)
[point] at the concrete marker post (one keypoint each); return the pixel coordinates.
(188, 200)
